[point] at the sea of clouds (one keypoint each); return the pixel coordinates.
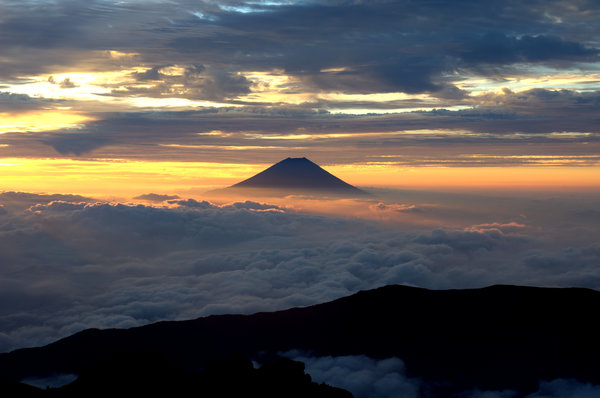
(386, 378)
(68, 263)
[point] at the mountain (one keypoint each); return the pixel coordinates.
(144, 374)
(495, 338)
(296, 176)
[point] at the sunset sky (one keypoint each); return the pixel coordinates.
(474, 124)
(122, 97)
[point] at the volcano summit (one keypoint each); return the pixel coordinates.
(295, 176)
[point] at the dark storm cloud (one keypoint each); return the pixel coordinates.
(150, 74)
(393, 46)
(75, 143)
(511, 118)
(196, 83)
(384, 46)
(203, 51)
(544, 101)
(17, 103)
(65, 83)
(36, 36)
(497, 48)
(304, 40)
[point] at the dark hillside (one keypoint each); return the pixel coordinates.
(500, 337)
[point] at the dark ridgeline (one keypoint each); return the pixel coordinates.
(11, 388)
(495, 338)
(144, 374)
(294, 176)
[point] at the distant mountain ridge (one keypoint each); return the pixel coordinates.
(495, 338)
(297, 176)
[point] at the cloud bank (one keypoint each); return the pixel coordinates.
(366, 377)
(70, 263)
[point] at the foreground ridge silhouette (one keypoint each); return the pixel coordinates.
(495, 338)
(296, 176)
(139, 373)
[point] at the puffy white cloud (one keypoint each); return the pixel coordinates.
(363, 376)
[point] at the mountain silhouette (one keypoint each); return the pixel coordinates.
(146, 374)
(495, 338)
(295, 176)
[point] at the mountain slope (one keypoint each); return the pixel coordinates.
(501, 337)
(299, 176)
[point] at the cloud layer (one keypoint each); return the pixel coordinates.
(369, 378)
(70, 263)
(513, 81)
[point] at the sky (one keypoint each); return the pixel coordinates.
(104, 97)
(475, 125)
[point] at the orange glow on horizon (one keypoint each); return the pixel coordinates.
(40, 121)
(516, 177)
(110, 178)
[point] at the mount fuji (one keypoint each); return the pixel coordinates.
(295, 176)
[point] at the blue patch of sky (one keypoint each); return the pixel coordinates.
(254, 6)
(201, 15)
